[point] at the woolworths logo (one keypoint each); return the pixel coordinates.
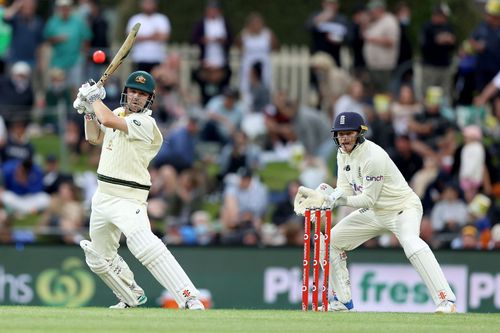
(71, 285)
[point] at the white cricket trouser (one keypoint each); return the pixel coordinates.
(113, 215)
(364, 224)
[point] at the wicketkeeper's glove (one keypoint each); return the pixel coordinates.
(324, 197)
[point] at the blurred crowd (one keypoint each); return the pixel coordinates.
(431, 104)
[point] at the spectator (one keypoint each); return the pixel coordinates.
(214, 38)
(16, 94)
(330, 80)
(382, 132)
(353, 101)
(289, 224)
(69, 36)
(470, 162)
(64, 218)
(260, 93)
(53, 175)
(404, 73)
(99, 27)
(438, 42)
(489, 91)
(172, 102)
(256, 41)
(312, 131)
(149, 47)
(329, 30)
(449, 215)
(360, 19)
(468, 239)
(23, 181)
(430, 126)
(407, 161)
(485, 41)
(27, 32)
(404, 109)
(381, 45)
(279, 121)
(17, 146)
(244, 204)
(179, 146)
(57, 95)
(495, 237)
(224, 116)
(238, 154)
(187, 198)
(5, 39)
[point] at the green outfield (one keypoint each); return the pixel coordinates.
(15, 319)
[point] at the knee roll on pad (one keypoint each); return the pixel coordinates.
(153, 254)
(115, 273)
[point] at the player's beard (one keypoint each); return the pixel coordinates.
(135, 105)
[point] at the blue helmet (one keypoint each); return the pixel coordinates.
(349, 121)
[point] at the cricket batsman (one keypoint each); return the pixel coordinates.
(130, 139)
(370, 181)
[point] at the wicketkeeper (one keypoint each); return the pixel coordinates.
(130, 138)
(369, 180)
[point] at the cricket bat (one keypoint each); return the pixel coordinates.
(120, 55)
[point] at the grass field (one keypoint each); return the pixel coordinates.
(16, 319)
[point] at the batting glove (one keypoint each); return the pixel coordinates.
(91, 92)
(82, 106)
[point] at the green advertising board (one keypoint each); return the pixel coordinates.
(382, 280)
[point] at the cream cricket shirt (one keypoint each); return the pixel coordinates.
(123, 166)
(371, 179)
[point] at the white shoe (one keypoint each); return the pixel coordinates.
(122, 305)
(338, 306)
(446, 307)
(194, 304)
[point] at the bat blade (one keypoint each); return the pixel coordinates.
(120, 55)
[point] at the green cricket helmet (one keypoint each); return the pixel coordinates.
(142, 81)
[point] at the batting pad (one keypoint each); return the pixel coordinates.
(115, 273)
(428, 268)
(153, 254)
(339, 281)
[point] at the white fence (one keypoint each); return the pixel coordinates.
(290, 68)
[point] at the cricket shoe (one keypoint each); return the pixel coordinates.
(141, 299)
(338, 306)
(194, 304)
(446, 307)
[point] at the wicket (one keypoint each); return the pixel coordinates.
(317, 214)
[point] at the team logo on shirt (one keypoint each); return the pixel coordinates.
(137, 122)
(347, 168)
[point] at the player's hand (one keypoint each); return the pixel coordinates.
(307, 198)
(82, 106)
(335, 199)
(92, 92)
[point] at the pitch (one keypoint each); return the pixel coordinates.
(16, 319)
